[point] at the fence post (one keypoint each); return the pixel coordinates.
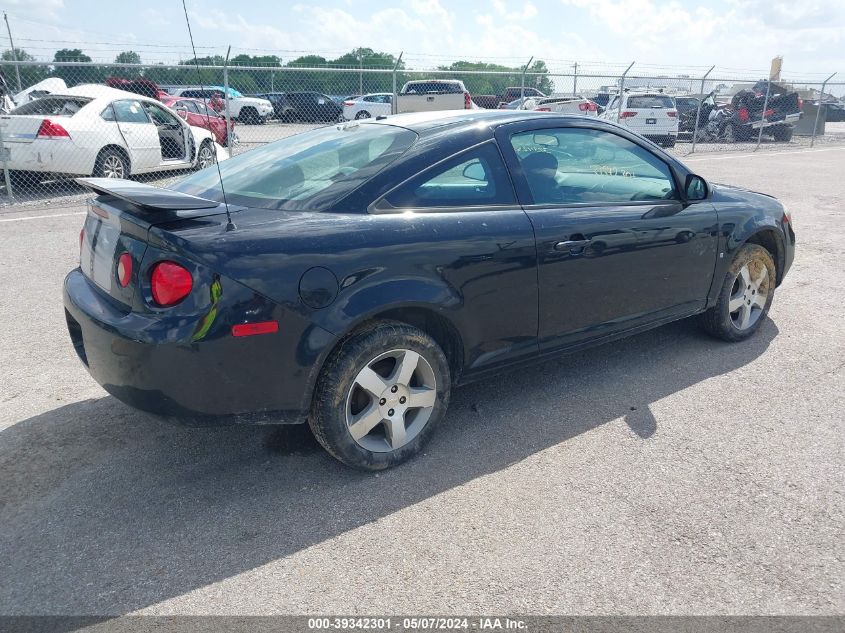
(394, 105)
(819, 109)
(698, 111)
(228, 119)
(621, 90)
(8, 178)
(522, 88)
(763, 114)
(575, 80)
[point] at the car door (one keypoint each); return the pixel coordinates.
(460, 220)
(138, 132)
(173, 134)
(617, 248)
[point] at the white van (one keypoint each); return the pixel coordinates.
(651, 114)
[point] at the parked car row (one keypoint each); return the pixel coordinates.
(102, 131)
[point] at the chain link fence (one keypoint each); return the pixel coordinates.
(156, 122)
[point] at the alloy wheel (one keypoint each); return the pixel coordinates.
(113, 167)
(391, 400)
(205, 158)
(749, 294)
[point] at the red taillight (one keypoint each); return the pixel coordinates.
(81, 237)
(48, 129)
(672, 113)
(589, 106)
(769, 112)
(627, 115)
(349, 103)
(467, 101)
(542, 109)
(800, 103)
(170, 283)
(250, 329)
(743, 114)
(124, 269)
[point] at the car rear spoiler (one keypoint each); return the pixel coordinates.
(146, 196)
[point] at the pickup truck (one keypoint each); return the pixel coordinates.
(434, 94)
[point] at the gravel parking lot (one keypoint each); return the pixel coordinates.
(665, 474)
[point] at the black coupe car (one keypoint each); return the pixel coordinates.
(351, 276)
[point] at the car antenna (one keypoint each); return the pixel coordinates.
(229, 224)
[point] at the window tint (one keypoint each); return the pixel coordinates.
(129, 111)
(572, 165)
(159, 115)
(475, 178)
(433, 87)
(53, 106)
(651, 101)
(190, 106)
(309, 171)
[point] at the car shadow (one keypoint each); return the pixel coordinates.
(106, 510)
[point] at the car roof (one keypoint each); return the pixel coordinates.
(422, 122)
(97, 91)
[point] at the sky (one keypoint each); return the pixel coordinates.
(675, 35)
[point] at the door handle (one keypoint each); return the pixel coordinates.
(125, 131)
(571, 245)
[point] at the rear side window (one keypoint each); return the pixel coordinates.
(651, 101)
(53, 106)
(129, 111)
(310, 171)
(477, 177)
(433, 87)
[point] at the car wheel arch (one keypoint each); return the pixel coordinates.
(426, 318)
(121, 150)
(771, 239)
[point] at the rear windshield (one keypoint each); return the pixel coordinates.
(309, 171)
(651, 101)
(53, 106)
(430, 87)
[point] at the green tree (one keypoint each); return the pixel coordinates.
(127, 57)
(83, 73)
(30, 75)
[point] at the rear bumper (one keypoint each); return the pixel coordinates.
(50, 157)
(153, 364)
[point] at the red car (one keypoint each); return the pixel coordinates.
(196, 113)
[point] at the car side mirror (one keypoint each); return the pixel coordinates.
(475, 171)
(182, 113)
(695, 188)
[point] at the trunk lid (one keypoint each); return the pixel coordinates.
(118, 222)
(21, 129)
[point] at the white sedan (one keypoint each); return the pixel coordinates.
(100, 131)
(562, 105)
(371, 105)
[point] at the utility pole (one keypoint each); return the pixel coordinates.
(14, 52)
(575, 80)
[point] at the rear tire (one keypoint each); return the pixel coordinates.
(206, 156)
(782, 134)
(111, 163)
(745, 297)
(249, 116)
(363, 114)
(668, 144)
(380, 396)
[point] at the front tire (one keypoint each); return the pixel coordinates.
(250, 116)
(380, 396)
(745, 297)
(363, 114)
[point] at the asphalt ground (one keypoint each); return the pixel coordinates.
(664, 474)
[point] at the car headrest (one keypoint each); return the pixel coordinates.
(539, 161)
